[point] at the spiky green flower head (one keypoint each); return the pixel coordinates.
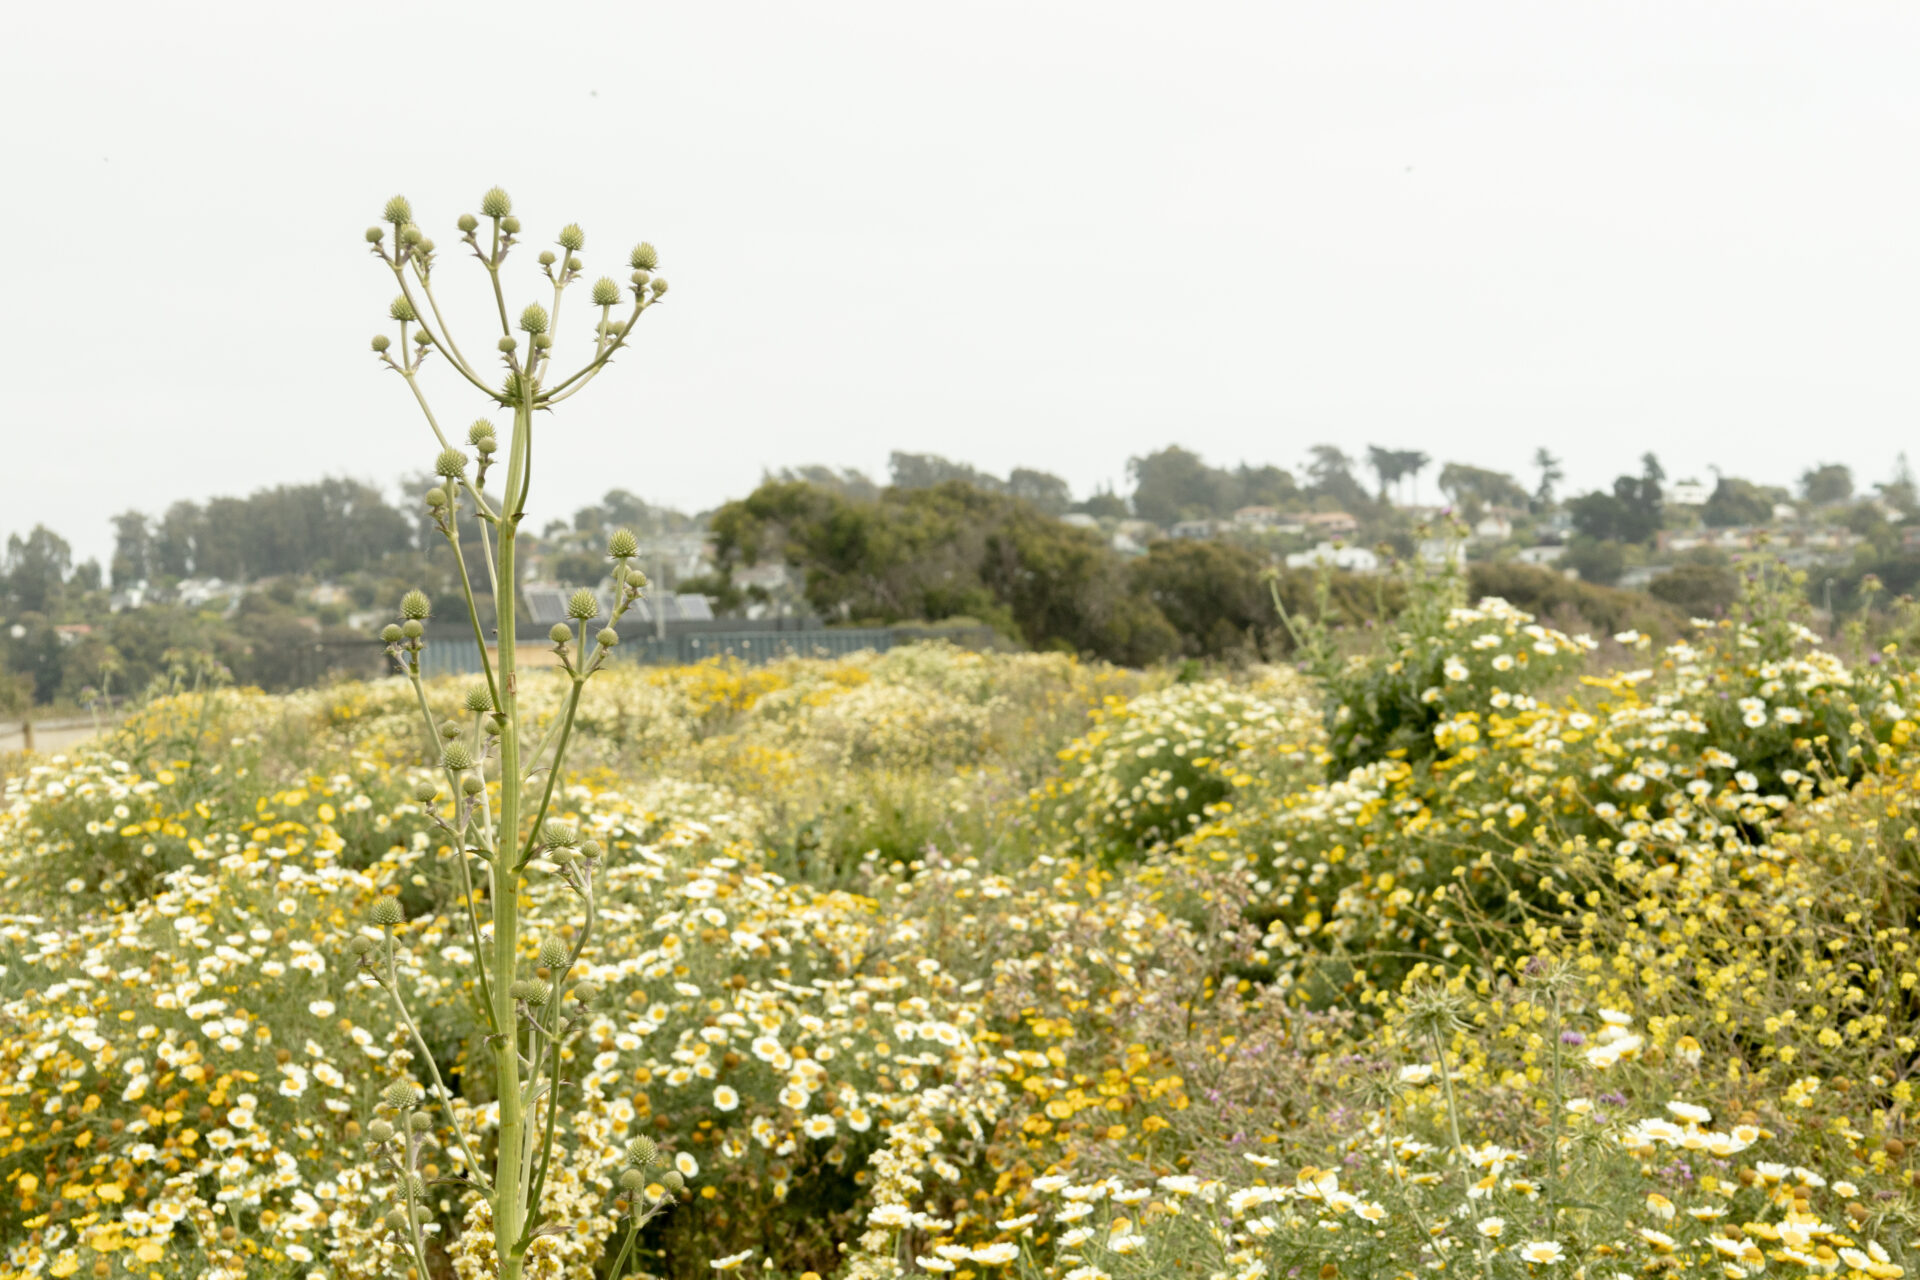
(534, 318)
(496, 203)
(557, 834)
(426, 792)
(586, 992)
(531, 992)
(425, 246)
(607, 637)
(413, 628)
(472, 785)
(468, 224)
(376, 234)
(477, 699)
(553, 952)
(415, 604)
(672, 1180)
(420, 1122)
(450, 463)
(481, 429)
(548, 257)
(583, 604)
(640, 279)
(422, 338)
(659, 286)
(402, 1094)
(381, 342)
(508, 345)
(606, 292)
(642, 1152)
(560, 633)
(399, 1220)
(379, 1131)
(391, 633)
(449, 729)
(574, 263)
(542, 341)
(386, 911)
(400, 309)
(632, 1179)
(572, 238)
(436, 498)
(623, 544)
(412, 234)
(360, 945)
(644, 257)
(591, 848)
(399, 211)
(458, 757)
(487, 446)
(635, 577)
(510, 225)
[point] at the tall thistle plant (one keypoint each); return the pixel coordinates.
(502, 833)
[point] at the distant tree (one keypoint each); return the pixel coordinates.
(848, 481)
(1412, 463)
(925, 470)
(1900, 492)
(1104, 504)
(1737, 502)
(1263, 486)
(1828, 483)
(1702, 590)
(1330, 472)
(132, 549)
(1043, 489)
(1388, 466)
(1550, 475)
(1213, 593)
(1595, 561)
(37, 567)
(1173, 484)
(1473, 488)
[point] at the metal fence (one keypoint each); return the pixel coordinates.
(457, 656)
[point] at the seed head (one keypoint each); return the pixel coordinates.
(586, 992)
(412, 629)
(583, 604)
(534, 318)
(659, 286)
(530, 991)
(481, 430)
(572, 238)
(507, 345)
(427, 792)
(590, 848)
(397, 1220)
(553, 952)
(411, 234)
(623, 544)
(672, 1180)
(486, 445)
(608, 637)
(557, 834)
(415, 604)
(633, 1179)
(450, 463)
(605, 292)
(642, 1152)
(573, 263)
(561, 633)
(477, 698)
(399, 211)
(541, 341)
(402, 1094)
(496, 203)
(376, 234)
(361, 944)
(386, 911)
(468, 223)
(510, 225)
(420, 1122)
(400, 309)
(436, 498)
(644, 257)
(381, 342)
(472, 785)
(379, 1131)
(391, 633)
(457, 757)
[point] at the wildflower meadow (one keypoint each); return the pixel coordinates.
(1468, 946)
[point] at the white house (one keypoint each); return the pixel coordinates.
(1540, 555)
(1352, 559)
(1687, 493)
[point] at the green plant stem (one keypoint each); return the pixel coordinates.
(440, 1089)
(633, 1233)
(553, 1102)
(1459, 1147)
(553, 773)
(473, 609)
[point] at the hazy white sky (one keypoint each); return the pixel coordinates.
(1051, 235)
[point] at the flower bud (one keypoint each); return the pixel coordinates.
(607, 637)
(605, 292)
(381, 342)
(449, 730)
(623, 544)
(379, 1131)
(639, 279)
(510, 225)
(412, 629)
(659, 286)
(643, 257)
(360, 945)
(391, 633)
(553, 952)
(642, 1152)
(450, 463)
(376, 234)
(557, 834)
(481, 429)
(420, 1122)
(398, 211)
(386, 911)
(402, 1094)
(436, 498)
(400, 309)
(468, 223)
(457, 757)
(672, 1180)
(496, 204)
(591, 848)
(534, 318)
(422, 338)
(477, 698)
(572, 238)
(547, 258)
(561, 633)
(415, 604)
(426, 792)
(507, 345)
(583, 604)
(410, 234)
(472, 785)
(397, 1220)
(541, 341)
(573, 263)
(425, 247)
(632, 1179)
(486, 446)
(530, 991)
(586, 992)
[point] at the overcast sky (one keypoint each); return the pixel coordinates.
(1031, 234)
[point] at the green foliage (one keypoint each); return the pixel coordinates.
(1573, 604)
(1174, 484)
(1700, 590)
(1473, 488)
(1737, 502)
